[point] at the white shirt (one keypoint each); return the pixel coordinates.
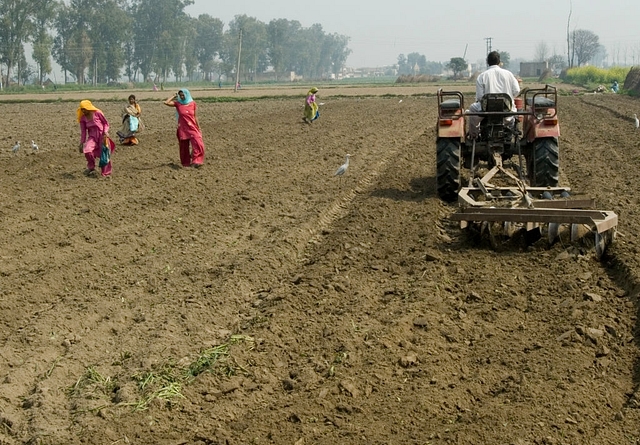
(497, 80)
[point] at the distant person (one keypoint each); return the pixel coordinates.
(131, 122)
(494, 80)
(219, 83)
(188, 131)
(94, 138)
(615, 87)
(311, 112)
(155, 87)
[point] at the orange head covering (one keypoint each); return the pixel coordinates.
(85, 105)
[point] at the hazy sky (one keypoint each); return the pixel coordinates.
(380, 30)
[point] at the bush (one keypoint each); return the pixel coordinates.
(588, 75)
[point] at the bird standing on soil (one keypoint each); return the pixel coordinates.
(34, 147)
(16, 148)
(342, 169)
(636, 121)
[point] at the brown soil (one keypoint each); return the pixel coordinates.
(261, 300)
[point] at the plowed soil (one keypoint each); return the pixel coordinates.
(261, 300)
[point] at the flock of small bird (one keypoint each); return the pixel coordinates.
(16, 148)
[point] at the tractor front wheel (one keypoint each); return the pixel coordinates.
(448, 168)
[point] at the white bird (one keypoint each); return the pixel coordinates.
(342, 169)
(321, 103)
(16, 148)
(400, 101)
(636, 121)
(34, 147)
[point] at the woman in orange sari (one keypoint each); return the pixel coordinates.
(131, 122)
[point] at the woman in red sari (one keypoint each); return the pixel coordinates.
(188, 131)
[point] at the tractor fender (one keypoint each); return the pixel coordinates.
(450, 127)
(539, 130)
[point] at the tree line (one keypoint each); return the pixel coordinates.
(583, 47)
(101, 41)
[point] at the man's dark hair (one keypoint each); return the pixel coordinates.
(493, 58)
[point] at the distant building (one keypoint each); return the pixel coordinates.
(533, 69)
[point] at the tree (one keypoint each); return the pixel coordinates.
(339, 52)
(42, 40)
(74, 22)
(406, 64)
(403, 65)
(62, 42)
(280, 36)
(505, 58)
(433, 68)
(254, 55)
(457, 65)
(557, 63)
(584, 45)
(569, 59)
(600, 57)
(109, 27)
(417, 63)
(541, 52)
(16, 27)
(208, 42)
(159, 34)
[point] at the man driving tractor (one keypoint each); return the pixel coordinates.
(494, 80)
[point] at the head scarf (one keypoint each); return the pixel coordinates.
(85, 105)
(187, 97)
(313, 90)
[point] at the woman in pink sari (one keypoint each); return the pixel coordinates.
(94, 138)
(188, 131)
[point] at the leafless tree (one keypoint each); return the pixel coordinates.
(541, 51)
(569, 59)
(584, 45)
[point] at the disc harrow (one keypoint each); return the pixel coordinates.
(504, 210)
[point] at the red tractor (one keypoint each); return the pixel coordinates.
(528, 196)
(530, 132)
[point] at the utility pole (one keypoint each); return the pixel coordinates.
(488, 40)
(235, 90)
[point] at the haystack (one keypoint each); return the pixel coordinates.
(632, 81)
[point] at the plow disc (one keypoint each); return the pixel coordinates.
(510, 211)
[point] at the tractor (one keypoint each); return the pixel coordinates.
(528, 195)
(531, 132)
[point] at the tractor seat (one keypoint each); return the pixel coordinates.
(541, 102)
(450, 104)
(497, 102)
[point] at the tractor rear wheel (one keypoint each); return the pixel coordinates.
(544, 163)
(448, 168)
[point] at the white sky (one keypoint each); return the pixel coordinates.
(381, 30)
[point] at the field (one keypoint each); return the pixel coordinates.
(261, 300)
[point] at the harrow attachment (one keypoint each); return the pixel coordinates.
(503, 211)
